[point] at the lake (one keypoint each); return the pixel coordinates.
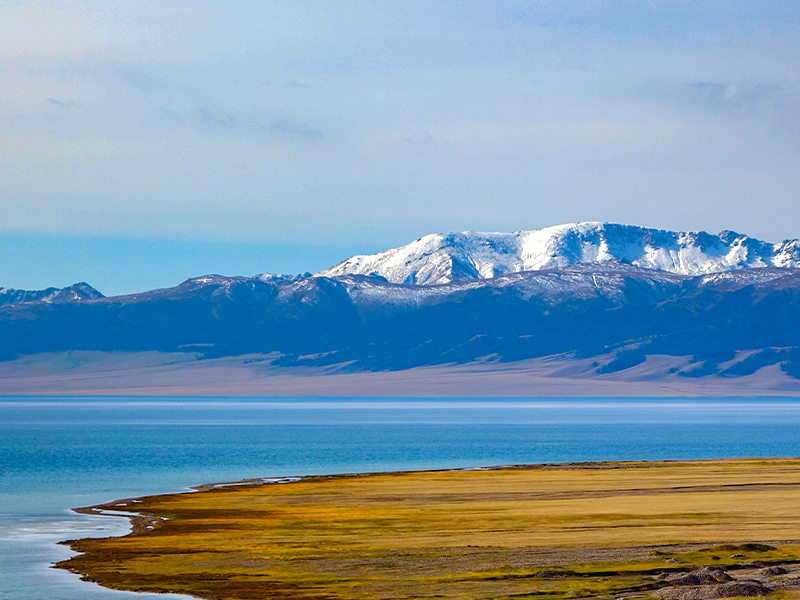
(60, 453)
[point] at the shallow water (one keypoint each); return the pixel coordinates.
(61, 453)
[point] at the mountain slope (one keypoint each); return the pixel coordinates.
(445, 258)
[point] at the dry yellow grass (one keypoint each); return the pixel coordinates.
(456, 534)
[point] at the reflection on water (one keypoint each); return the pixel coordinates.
(61, 453)
(35, 530)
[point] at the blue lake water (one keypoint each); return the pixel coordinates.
(56, 454)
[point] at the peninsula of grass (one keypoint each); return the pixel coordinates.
(676, 530)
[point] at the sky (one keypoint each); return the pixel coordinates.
(143, 143)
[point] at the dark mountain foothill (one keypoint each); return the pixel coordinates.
(733, 323)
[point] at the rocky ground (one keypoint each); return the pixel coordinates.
(741, 580)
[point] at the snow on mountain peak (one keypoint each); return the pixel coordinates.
(442, 258)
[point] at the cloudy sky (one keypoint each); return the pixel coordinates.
(145, 142)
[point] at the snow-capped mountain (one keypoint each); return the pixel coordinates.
(444, 258)
(74, 293)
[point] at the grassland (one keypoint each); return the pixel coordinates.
(550, 532)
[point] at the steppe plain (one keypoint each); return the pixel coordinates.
(674, 530)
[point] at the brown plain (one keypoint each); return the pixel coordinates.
(541, 532)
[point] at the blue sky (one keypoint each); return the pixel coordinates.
(142, 143)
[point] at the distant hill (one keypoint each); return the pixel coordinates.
(73, 293)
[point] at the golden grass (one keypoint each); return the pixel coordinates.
(457, 534)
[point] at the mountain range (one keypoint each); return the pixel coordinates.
(615, 293)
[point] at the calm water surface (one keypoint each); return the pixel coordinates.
(61, 453)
